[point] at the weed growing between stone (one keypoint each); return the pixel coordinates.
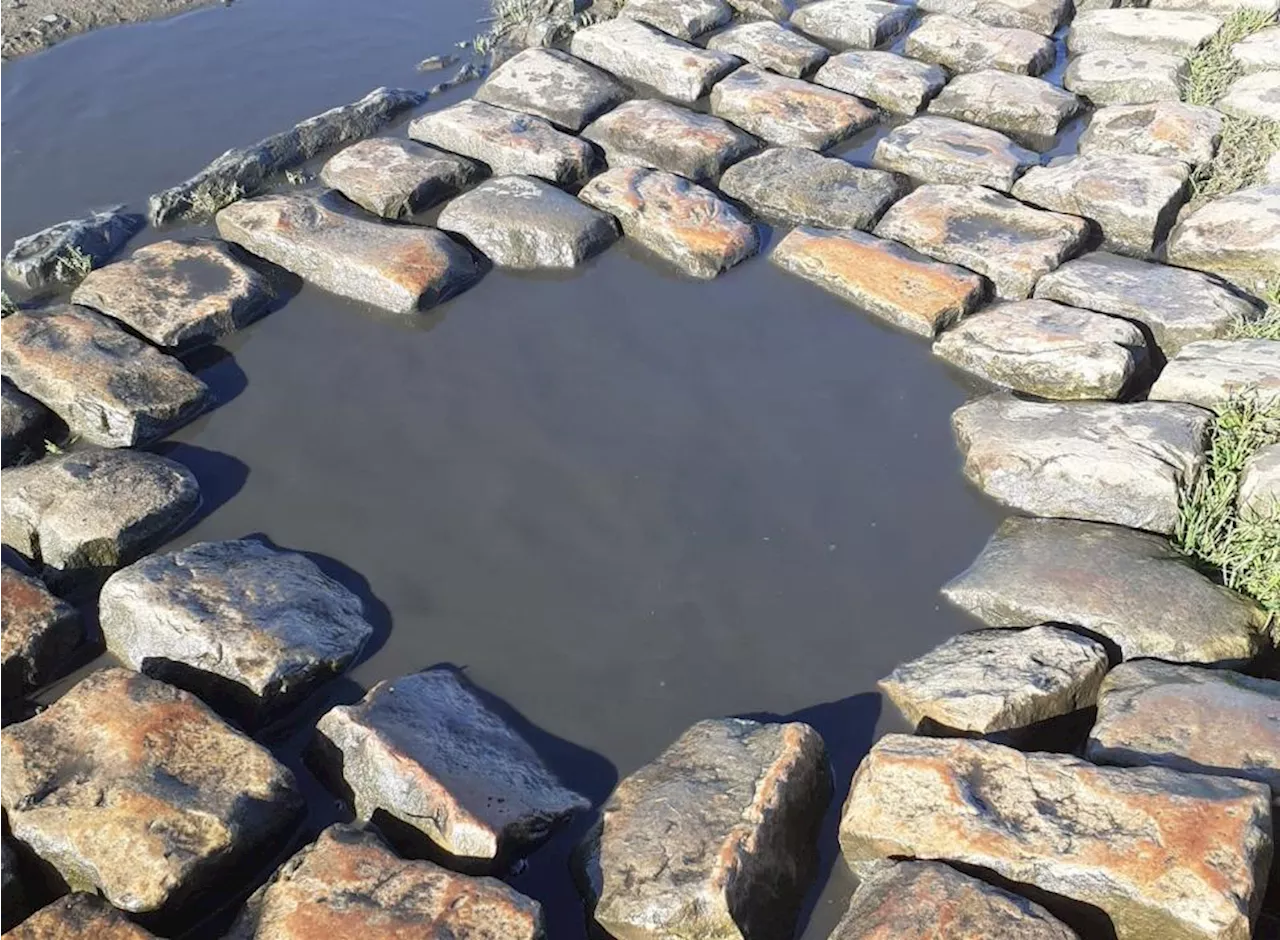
(208, 201)
(1266, 326)
(1244, 548)
(73, 266)
(7, 305)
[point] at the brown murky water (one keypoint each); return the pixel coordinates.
(623, 500)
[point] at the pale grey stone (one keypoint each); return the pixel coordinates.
(1259, 494)
(943, 150)
(1131, 588)
(768, 45)
(1236, 236)
(1223, 8)
(553, 85)
(1171, 129)
(428, 751)
(1209, 373)
(852, 24)
(52, 256)
(1177, 305)
(993, 681)
(964, 46)
(893, 82)
(507, 142)
(1110, 77)
(638, 53)
(766, 9)
(1028, 109)
(715, 838)
(1098, 461)
(26, 422)
(683, 19)
(795, 186)
(1271, 172)
(1047, 349)
(1012, 244)
(1260, 50)
(1134, 29)
(524, 223)
(395, 178)
(1040, 16)
(665, 136)
(249, 628)
(787, 111)
(1253, 96)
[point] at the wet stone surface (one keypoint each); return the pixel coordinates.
(506, 141)
(79, 916)
(524, 223)
(428, 752)
(1123, 464)
(993, 681)
(109, 387)
(893, 82)
(1259, 494)
(395, 178)
(717, 837)
(94, 509)
(178, 294)
(1110, 77)
(665, 136)
(964, 46)
(400, 268)
(641, 54)
(1131, 29)
(795, 186)
(1133, 589)
(1008, 242)
(1236, 236)
(1040, 16)
(1210, 372)
(852, 24)
(932, 901)
(26, 423)
(553, 85)
(768, 45)
(943, 150)
(885, 279)
(1179, 306)
(348, 883)
(38, 633)
(1028, 109)
(684, 19)
(1253, 96)
(1170, 129)
(679, 221)
(250, 629)
(136, 789)
(1132, 843)
(50, 256)
(787, 111)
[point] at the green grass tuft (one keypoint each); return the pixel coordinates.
(1266, 326)
(7, 304)
(207, 201)
(72, 266)
(1212, 68)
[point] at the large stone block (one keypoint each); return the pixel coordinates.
(943, 150)
(768, 45)
(53, 256)
(1134, 29)
(893, 82)
(965, 46)
(684, 19)
(1236, 236)
(1109, 77)
(553, 85)
(1040, 16)
(1171, 129)
(395, 178)
(852, 24)
(78, 916)
(787, 111)
(27, 425)
(1213, 371)
(1028, 109)
(38, 634)
(638, 53)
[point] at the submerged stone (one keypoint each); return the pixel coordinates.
(893, 82)
(685, 844)
(135, 789)
(683, 19)
(852, 24)
(1047, 349)
(507, 142)
(178, 294)
(94, 509)
(523, 223)
(1158, 853)
(943, 150)
(768, 45)
(400, 268)
(665, 136)
(553, 85)
(427, 751)
(1133, 29)
(928, 901)
(964, 46)
(109, 387)
(998, 681)
(1236, 236)
(1039, 16)
(348, 883)
(1253, 96)
(38, 633)
(884, 278)
(59, 253)
(1131, 588)
(1123, 464)
(1177, 305)
(787, 111)
(795, 186)
(677, 220)
(638, 53)
(395, 178)
(1012, 244)
(250, 629)
(1210, 373)
(1170, 129)
(1259, 494)
(78, 916)
(1028, 109)
(1109, 77)
(25, 424)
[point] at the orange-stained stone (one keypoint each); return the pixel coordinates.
(78, 917)
(37, 633)
(788, 111)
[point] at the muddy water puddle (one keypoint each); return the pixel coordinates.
(622, 500)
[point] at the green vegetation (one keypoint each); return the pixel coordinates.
(208, 200)
(514, 16)
(7, 305)
(72, 266)
(1266, 326)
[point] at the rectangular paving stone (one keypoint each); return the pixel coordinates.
(1223, 8)
(1010, 243)
(1110, 77)
(638, 53)
(1040, 16)
(665, 136)
(683, 19)
(1209, 373)
(893, 82)
(765, 9)
(506, 142)
(1253, 97)
(771, 46)
(852, 24)
(888, 280)
(787, 111)
(1028, 109)
(395, 178)
(1236, 236)
(964, 46)
(400, 268)
(1134, 29)
(677, 220)
(1185, 132)
(553, 85)
(1260, 50)
(943, 150)
(110, 388)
